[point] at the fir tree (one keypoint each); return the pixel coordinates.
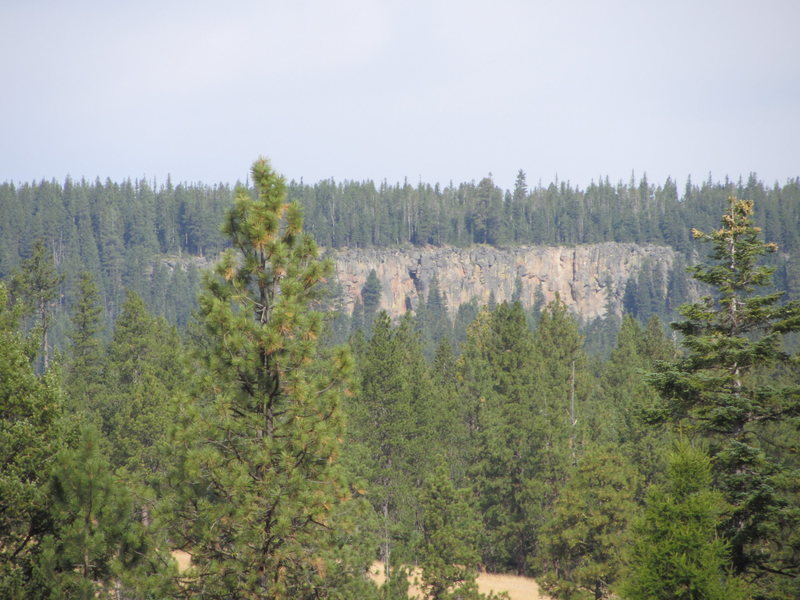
(392, 428)
(499, 383)
(144, 374)
(676, 553)
(587, 527)
(86, 363)
(449, 552)
(36, 284)
(731, 338)
(371, 297)
(98, 546)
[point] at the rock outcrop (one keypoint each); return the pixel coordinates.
(590, 279)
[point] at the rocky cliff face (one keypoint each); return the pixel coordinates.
(589, 279)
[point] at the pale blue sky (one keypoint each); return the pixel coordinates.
(437, 91)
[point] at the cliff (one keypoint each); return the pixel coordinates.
(590, 279)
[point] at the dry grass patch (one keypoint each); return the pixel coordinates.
(516, 586)
(184, 560)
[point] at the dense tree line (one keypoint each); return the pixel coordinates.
(146, 237)
(278, 466)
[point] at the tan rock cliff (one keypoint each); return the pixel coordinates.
(588, 278)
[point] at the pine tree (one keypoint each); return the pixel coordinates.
(499, 387)
(97, 546)
(628, 397)
(260, 474)
(732, 340)
(392, 439)
(144, 374)
(432, 318)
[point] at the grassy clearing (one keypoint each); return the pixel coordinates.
(517, 587)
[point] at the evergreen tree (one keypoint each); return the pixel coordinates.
(392, 426)
(500, 390)
(260, 446)
(37, 283)
(449, 553)
(676, 553)
(432, 318)
(628, 397)
(144, 374)
(451, 414)
(97, 546)
(371, 298)
(587, 527)
(730, 339)
(565, 387)
(30, 434)
(86, 362)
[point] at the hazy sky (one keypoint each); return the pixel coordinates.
(438, 91)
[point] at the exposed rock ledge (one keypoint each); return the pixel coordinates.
(588, 278)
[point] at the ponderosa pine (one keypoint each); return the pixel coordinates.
(259, 478)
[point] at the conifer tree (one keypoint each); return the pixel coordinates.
(36, 284)
(86, 362)
(587, 527)
(144, 373)
(98, 546)
(432, 318)
(732, 339)
(676, 553)
(499, 387)
(392, 426)
(371, 297)
(260, 475)
(30, 434)
(628, 396)
(449, 551)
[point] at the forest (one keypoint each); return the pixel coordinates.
(155, 239)
(169, 430)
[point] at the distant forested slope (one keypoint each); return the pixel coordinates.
(142, 236)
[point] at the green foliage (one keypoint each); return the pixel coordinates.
(433, 319)
(448, 557)
(258, 482)
(85, 366)
(30, 435)
(676, 553)
(629, 398)
(36, 286)
(588, 527)
(126, 233)
(721, 388)
(392, 435)
(144, 374)
(97, 546)
(371, 298)
(498, 375)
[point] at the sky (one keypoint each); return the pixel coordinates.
(432, 91)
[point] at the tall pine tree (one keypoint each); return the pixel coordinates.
(260, 475)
